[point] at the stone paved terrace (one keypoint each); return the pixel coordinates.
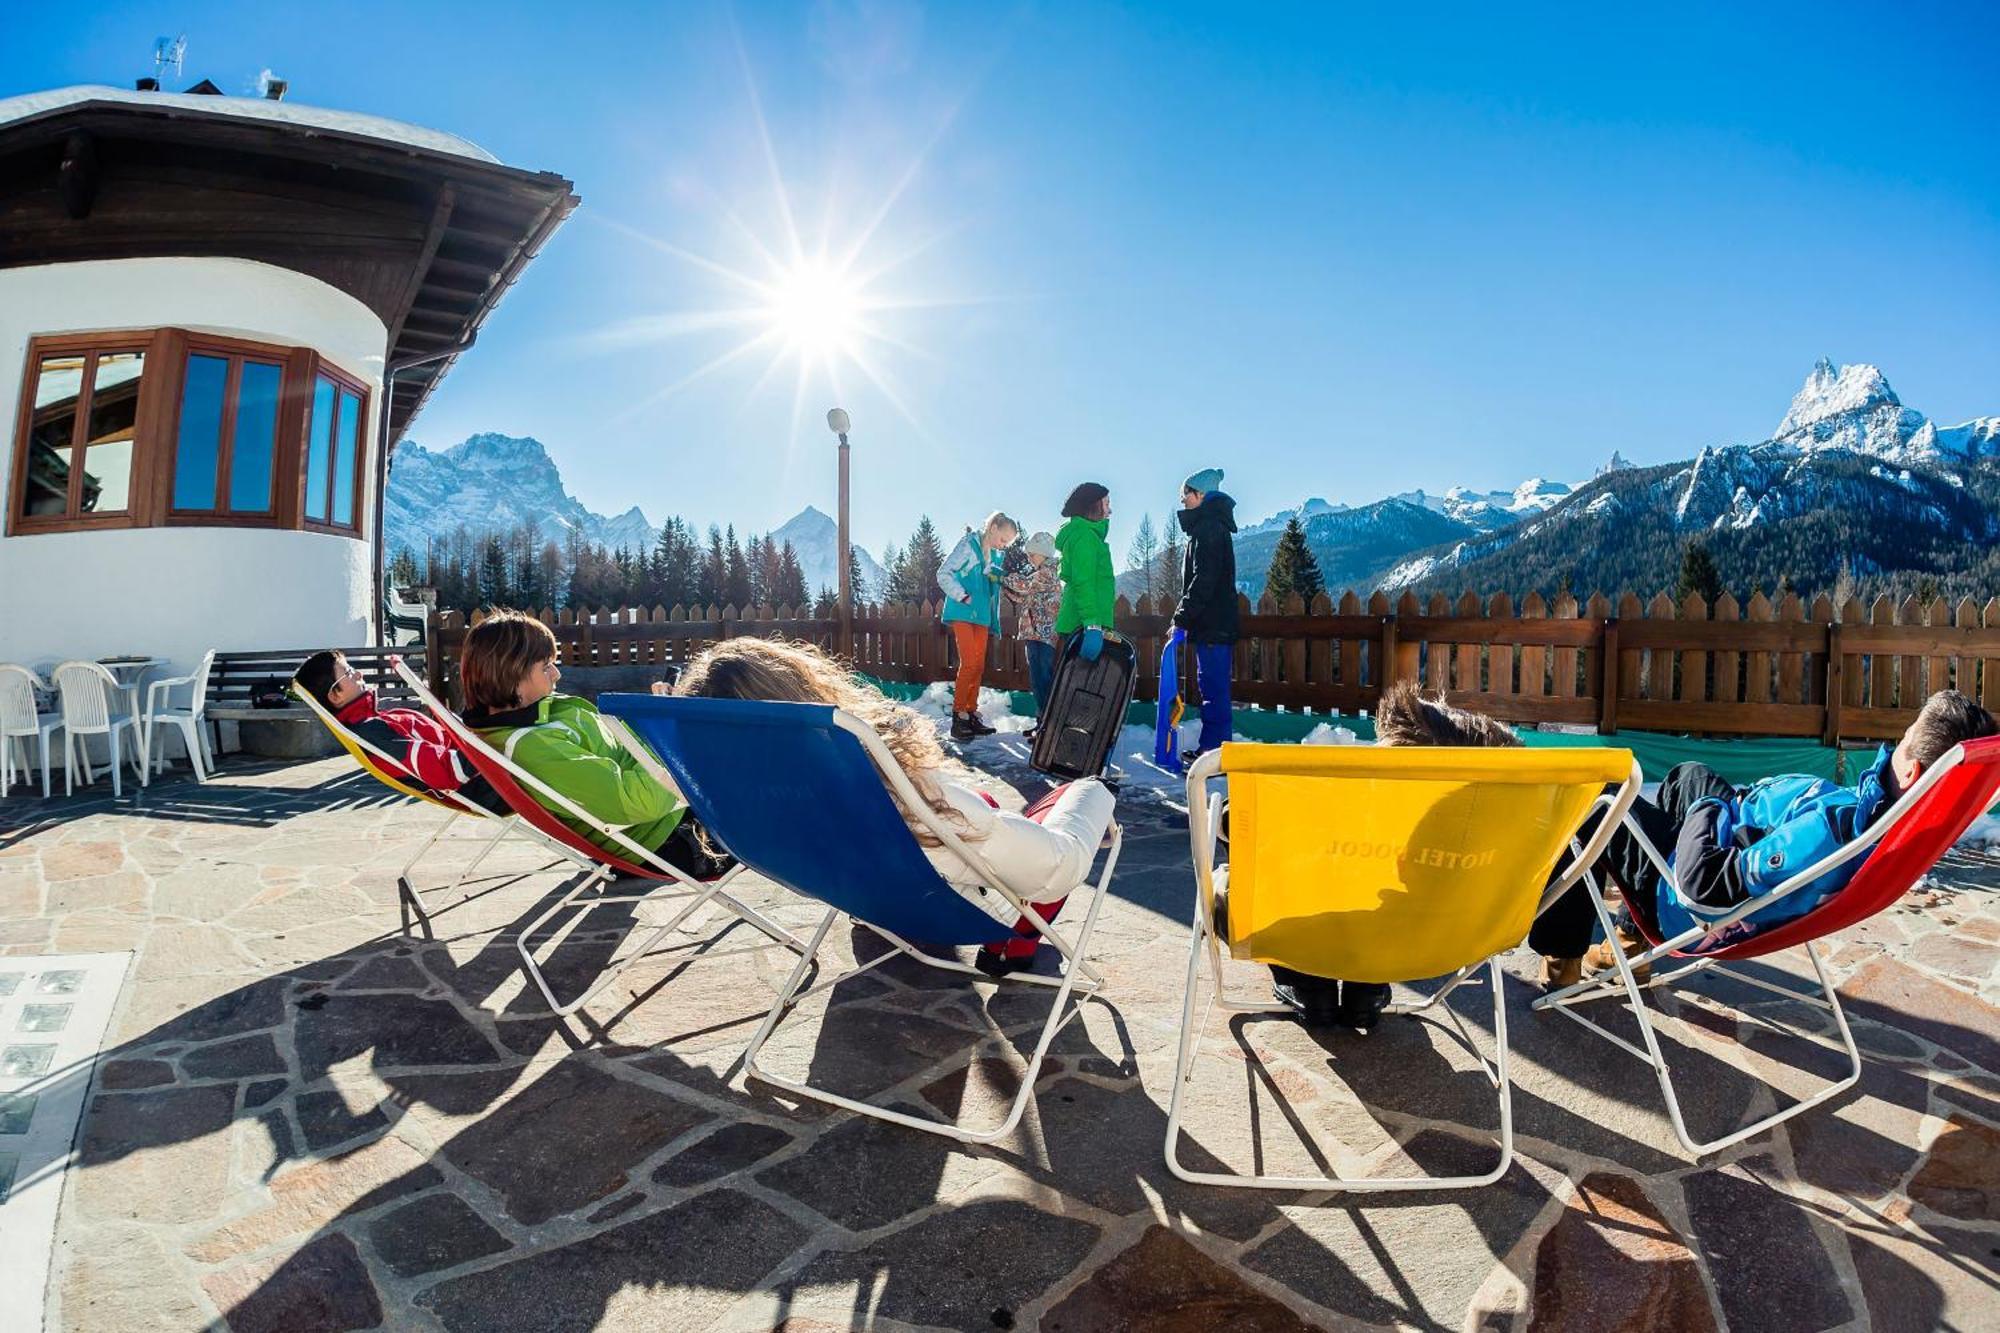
(306, 1121)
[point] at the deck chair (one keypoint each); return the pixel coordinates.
(385, 771)
(1380, 865)
(797, 792)
(1902, 845)
(520, 790)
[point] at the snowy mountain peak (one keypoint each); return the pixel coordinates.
(1833, 391)
(492, 452)
(1617, 463)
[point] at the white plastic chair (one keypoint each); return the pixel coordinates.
(20, 722)
(86, 691)
(159, 708)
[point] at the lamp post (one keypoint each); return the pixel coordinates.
(837, 421)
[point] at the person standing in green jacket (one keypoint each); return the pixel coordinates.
(1090, 585)
(508, 671)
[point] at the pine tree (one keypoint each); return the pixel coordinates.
(753, 563)
(1144, 556)
(736, 572)
(1698, 573)
(552, 574)
(768, 568)
(791, 581)
(826, 606)
(493, 587)
(1294, 568)
(403, 569)
(1167, 570)
(896, 576)
(858, 584)
(713, 573)
(924, 556)
(675, 556)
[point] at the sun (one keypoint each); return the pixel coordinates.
(817, 310)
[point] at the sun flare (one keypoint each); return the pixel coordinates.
(817, 310)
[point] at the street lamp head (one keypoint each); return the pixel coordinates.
(836, 421)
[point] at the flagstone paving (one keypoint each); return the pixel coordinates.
(305, 1120)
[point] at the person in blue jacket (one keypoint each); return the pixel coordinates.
(1728, 845)
(969, 578)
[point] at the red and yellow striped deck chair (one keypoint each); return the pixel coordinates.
(1383, 865)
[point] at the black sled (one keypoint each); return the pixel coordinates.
(1086, 708)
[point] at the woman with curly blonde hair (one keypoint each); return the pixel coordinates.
(1041, 854)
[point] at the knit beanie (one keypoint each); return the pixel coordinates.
(1206, 480)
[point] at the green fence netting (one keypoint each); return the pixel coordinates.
(1741, 761)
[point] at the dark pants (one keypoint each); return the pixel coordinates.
(1565, 930)
(684, 852)
(1212, 663)
(1041, 672)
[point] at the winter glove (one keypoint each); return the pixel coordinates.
(1092, 645)
(1177, 638)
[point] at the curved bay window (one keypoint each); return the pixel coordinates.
(169, 427)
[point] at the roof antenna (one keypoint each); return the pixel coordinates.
(169, 51)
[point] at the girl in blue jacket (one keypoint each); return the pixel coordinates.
(970, 581)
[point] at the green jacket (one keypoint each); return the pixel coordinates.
(559, 741)
(1090, 588)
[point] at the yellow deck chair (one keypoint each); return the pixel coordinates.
(1384, 865)
(380, 767)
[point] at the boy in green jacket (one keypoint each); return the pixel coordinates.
(1090, 586)
(508, 671)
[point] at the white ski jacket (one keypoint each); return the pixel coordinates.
(1042, 862)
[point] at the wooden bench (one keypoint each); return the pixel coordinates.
(237, 679)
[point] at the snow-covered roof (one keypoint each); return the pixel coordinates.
(357, 123)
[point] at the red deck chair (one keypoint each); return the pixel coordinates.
(1902, 845)
(519, 789)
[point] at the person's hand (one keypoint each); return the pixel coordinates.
(1178, 637)
(660, 687)
(1092, 645)
(962, 598)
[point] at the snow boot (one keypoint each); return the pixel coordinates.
(962, 728)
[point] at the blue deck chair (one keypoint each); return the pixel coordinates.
(796, 792)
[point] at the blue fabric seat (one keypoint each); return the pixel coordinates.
(800, 793)
(796, 799)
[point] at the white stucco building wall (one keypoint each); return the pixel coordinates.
(174, 592)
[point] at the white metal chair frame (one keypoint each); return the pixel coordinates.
(1078, 976)
(159, 708)
(677, 883)
(1623, 982)
(86, 690)
(28, 724)
(456, 807)
(1204, 819)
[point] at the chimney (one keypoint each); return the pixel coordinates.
(147, 85)
(274, 88)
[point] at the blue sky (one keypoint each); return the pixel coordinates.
(1334, 249)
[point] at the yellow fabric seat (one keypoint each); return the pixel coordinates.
(1376, 864)
(1382, 864)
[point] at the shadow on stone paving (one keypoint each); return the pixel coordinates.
(558, 1185)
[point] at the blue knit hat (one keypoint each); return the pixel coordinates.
(1206, 480)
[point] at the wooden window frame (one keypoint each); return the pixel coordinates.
(156, 434)
(235, 351)
(137, 511)
(321, 368)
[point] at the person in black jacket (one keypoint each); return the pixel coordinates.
(1207, 610)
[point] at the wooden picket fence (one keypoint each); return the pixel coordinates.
(1760, 668)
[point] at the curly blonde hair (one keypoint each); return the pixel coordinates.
(791, 671)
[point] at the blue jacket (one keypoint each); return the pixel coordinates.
(963, 573)
(1732, 851)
